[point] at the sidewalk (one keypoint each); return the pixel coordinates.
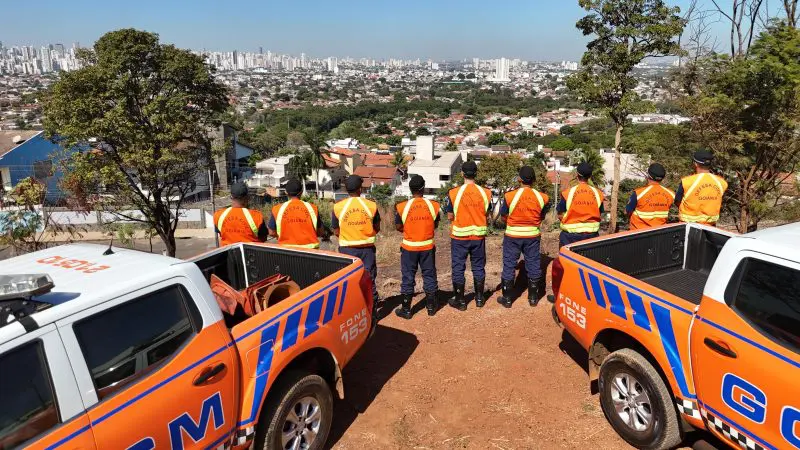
(202, 233)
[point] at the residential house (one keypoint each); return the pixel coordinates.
(350, 143)
(437, 170)
(349, 158)
(26, 154)
(271, 174)
(234, 164)
(375, 176)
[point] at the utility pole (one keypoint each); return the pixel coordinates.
(213, 204)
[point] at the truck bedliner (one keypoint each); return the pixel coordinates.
(668, 258)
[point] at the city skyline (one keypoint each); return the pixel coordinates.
(447, 30)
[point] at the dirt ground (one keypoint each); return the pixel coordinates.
(490, 378)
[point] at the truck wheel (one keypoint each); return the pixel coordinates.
(299, 416)
(637, 403)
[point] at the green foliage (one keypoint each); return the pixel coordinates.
(469, 125)
(626, 188)
(624, 33)
(381, 194)
(748, 113)
(150, 107)
(383, 128)
(562, 144)
(596, 161)
(422, 131)
(451, 147)
(496, 139)
(394, 140)
(300, 166)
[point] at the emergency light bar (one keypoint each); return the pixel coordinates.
(24, 286)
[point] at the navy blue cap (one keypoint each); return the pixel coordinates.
(585, 169)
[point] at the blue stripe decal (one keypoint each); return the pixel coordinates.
(331, 305)
(583, 282)
(265, 353)
(222, 438)
(629, 286)
(751, 342)
(70, 437)
(341, 300)
(290, 331)
(736, 425)
(312, 319)
(664, 323)
(639, 313)
(298, 305)
(615, 298)
(598, 293)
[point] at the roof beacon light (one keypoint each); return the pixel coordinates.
(24, 286)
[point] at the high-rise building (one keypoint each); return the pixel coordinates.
(501, 74)
(59, 48)
(47, 61)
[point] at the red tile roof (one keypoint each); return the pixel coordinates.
(374, 160)
(342, 151)
(378, 175)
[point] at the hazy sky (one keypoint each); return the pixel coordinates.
(438, 29)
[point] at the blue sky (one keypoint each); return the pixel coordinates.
(438, 29)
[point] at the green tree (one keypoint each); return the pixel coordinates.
(624, 33)
(596, 161)
(469, 125)
(148, 107)
(381, 194)
(566, 130)
(748, 113)
(300, 167)
(383, 129)
(400, 162)
(563, 144)
(451, 147)
(394, 140)
(422, 131)
(496, 139)
(500, 172)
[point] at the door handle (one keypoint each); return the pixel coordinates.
(208, 374)
(723, 350)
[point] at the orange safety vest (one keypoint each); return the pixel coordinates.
(652, 206)
(583, 209)
(419, 223)
(355, 216)
(237, 225)
(470, 203)
(702, 198)
(524, 212)
(296, 224)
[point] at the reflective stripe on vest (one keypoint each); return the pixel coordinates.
(590, 227)
(247, 217)
(472, 230)
(308, 206)
(648, 215)
(406, 210)
(530, 231)
(367, 241)
(699, 218)
(279, 219)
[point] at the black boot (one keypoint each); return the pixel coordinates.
(431, 303)
(457, 301)
(505, 299)
(404, 310)
(533, 292)
(480, 296)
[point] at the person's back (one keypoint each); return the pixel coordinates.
(699, 196)
(649, 205)
(470, 203)
(583, 209)
(355, 217)
(237, 223)
(295, 222)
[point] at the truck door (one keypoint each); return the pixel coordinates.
(746, 356)
(154, 371)
(40, 405)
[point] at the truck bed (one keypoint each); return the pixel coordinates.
(676, 259)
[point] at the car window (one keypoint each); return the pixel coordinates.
(769, 298)
(26, 393)
(129, 341)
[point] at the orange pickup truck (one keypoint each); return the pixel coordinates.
(118, 349)
(687, 326)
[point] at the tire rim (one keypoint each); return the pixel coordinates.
(302, 424)
(631, 402)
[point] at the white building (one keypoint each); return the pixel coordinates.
(350, 144)
(437, 170)
(501, 74)
(630, 167)
(528, 123)
(270, 174)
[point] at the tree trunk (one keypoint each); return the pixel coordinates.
(316, 181)
(169, 242)
(615, 185)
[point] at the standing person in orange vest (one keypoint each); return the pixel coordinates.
(295, 223)
(468, 207)
(417, 219)
(238, 223)
(356, 222)
(649, 205)
(579, 209)
(522, 210)
(699, 197)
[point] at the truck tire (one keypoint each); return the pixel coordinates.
(302, 409)
(637, 403)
